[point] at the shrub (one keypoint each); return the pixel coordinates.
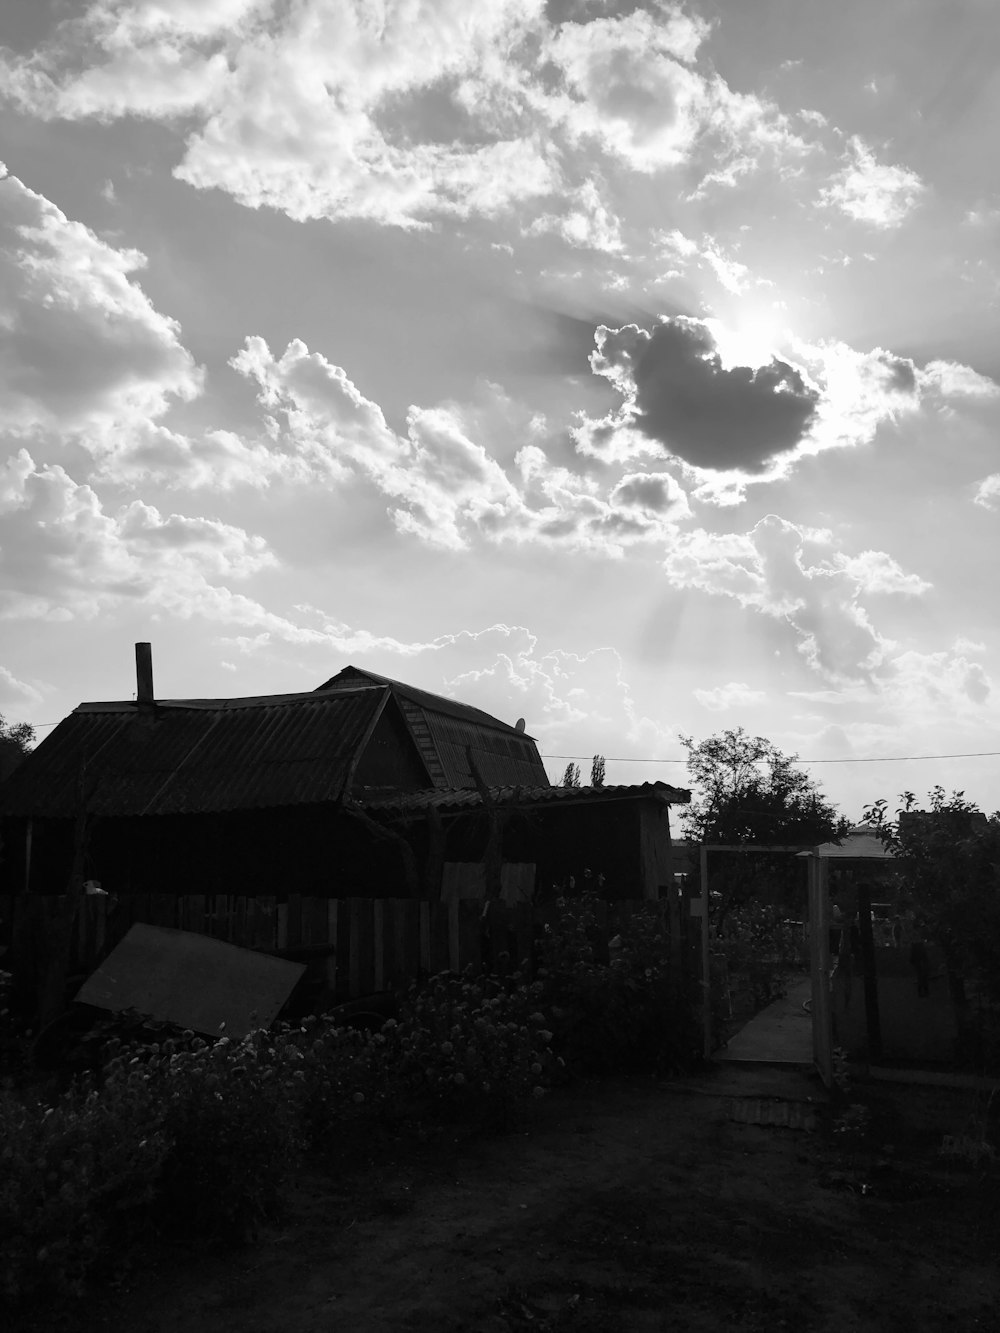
(760, 947)
(626, 1014)
(76, 1180)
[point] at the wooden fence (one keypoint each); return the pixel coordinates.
(353, 946)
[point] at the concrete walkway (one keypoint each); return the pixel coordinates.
(781, 1034)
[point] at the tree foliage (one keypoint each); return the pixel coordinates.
(571, 778)
(749, 792)
(949, 876)
(16, 740)
(597, 771)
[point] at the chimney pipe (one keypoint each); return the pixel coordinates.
(144, 674)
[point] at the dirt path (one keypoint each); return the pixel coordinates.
(629, 1206)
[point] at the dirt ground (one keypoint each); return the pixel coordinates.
(625, 1205)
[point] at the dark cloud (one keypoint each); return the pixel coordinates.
(682, 397)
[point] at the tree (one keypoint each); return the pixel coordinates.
(571, 778)
(597, 771)
(949, 877)
(16, 739)
(749, 792)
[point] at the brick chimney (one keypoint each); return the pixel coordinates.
(144, 674)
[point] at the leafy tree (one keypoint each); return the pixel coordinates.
(597, 771)
(571, 778)
(16, 739)
(749, 792)
(949, 877)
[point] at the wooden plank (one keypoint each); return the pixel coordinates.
(440, 937)
(390, 966)
(265, 923)
(454, 939)
(524, 946)
(281, 926)
(409, 940)
(470, 937)
(194, 913)
(343, 974)
(163, 910)
(366, 951)
(294, 937)
(315, 923)
(331, 968)
(425, 937)
(238, 920)
(378, 943)
(354, 955)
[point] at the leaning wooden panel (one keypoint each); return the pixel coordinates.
(470, 936)
(197, 982)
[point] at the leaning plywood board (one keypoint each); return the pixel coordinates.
(192, 980)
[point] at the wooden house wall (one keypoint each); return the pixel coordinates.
(626, 841)
(296, 849)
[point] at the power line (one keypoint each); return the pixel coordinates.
(873, 759)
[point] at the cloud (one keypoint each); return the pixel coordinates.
(870, 191)
(679, 394)
(734, 695)
(988, 492)
(792, 574)
(16, 692)
(64, 556)
(687, 393)
(443, 486)
(327, 109)
(82, 349)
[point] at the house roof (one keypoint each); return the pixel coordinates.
(445, 731)
(419, 801)
(192, 756)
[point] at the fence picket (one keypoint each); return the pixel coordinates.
(365, 944)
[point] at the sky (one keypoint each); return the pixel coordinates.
(629, 368)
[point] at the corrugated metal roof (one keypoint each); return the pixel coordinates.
(445, 730)
(196, 756)
(351, 677)
(466, 798)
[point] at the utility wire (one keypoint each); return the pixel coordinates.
(874, 759)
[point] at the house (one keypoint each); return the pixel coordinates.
(363, 787)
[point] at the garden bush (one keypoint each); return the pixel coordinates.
(628, 1013)
(762, 949)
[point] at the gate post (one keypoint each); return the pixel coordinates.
(819, 966)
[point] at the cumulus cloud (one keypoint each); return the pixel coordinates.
(82, 349)
(736, 694)
(871, 191)
(988, 492)
(442, 485)
(679, 394)
(63, 555)
(686, 394)
(794, 574)
(326, 108)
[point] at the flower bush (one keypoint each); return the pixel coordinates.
(628, 1013)
(168, 1132)
(762, 949)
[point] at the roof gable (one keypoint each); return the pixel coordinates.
(447, 732)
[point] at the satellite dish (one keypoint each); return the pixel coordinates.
(519, 724)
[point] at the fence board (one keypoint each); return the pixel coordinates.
(470, 936)
(294, 928)
(370, 944)
(378, 945)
